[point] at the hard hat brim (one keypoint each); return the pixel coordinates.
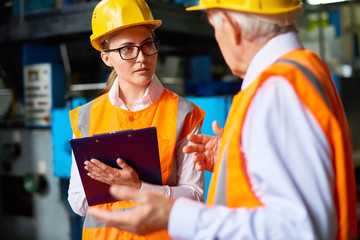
(96, 40)
(198, 7)
(241, 9)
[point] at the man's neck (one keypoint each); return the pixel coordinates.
(250, 49)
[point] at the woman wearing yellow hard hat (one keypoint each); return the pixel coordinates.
(123, 31)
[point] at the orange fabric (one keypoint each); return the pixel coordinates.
(332, 121)
(104, 118)
(74, 122)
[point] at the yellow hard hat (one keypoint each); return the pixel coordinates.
(113, 15)
(252, 6)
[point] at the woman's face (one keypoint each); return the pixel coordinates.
(138, 71)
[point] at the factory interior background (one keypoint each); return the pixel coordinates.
(48, 67)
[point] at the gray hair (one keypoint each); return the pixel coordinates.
(254, 27)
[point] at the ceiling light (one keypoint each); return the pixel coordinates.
(317, 2)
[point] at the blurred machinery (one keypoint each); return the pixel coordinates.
(31, 205)
(32, 199)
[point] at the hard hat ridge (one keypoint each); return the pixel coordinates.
(281, 12)
(110, 16)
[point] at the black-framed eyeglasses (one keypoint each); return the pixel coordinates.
(131, 52)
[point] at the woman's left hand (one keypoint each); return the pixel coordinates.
(101, 172)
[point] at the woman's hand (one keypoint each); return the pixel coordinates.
(101, 172)
(206, 148)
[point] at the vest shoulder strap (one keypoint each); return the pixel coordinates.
(84, 118)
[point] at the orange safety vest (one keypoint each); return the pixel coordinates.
(313, 85)
(174, 118)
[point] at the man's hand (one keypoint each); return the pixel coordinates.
(150, 215)
(101, 172)
(206, 148)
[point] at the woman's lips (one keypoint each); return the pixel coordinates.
(142, 71)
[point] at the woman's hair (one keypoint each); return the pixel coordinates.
(105, 45)
(254, 28)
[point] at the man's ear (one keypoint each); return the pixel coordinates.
(106, 59)
(235, 28)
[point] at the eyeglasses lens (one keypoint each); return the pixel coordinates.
(131, 52)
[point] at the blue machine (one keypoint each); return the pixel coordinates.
(34, 53)
(216, 108)
(61, 132)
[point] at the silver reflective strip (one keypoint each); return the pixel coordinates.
(172, 180)
(220, 195)
(314, 80)
(185, 107)
(91, 222)
(84, 118)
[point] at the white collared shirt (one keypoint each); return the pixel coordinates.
(152, 93)
(288, 165)
(190, 183)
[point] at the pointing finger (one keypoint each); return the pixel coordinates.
(198, 138)
(194, 148)
(217, 129)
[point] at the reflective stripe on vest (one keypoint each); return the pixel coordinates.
(313, 79)
(220, 198)
(84, 118)
(220, 194)
(91, 222)
(185, 107)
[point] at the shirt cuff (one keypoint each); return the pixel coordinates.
(145, 186)
(142, 185)
(164, 190)
(183, 218)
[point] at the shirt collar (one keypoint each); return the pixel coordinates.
(152, 93)
(272, 51)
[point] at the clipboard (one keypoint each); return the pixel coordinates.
(138, 148)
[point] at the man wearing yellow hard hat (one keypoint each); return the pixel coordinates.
(282, 167)
(134, 98)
